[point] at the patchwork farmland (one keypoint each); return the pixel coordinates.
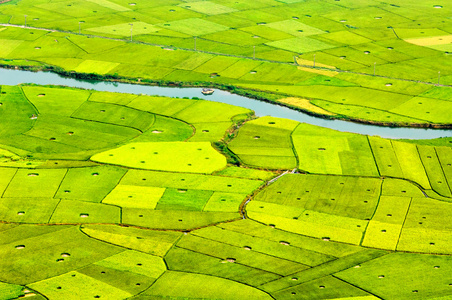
(108, 195)
(142, 211)
(340, 60)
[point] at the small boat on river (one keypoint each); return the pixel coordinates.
(207, 91)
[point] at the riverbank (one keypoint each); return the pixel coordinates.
(260, 95)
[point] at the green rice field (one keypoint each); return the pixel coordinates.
(220, 42)
(108, 195)
(122, 195)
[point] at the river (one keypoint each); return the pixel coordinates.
(14, 77)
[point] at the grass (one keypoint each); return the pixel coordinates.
(198, 285)
(323, 288)
(334, 195)
(35, 262)
(135, 262)
(190, 181)
(173, 219)
(89, 184)
(130, 282)
(212, 112)
(28, 183)
(434, 170)
(152, 242)
(124, 29)
(186, 200)
(165, 156)
(385, 157)
(72, 284)
(318, 225)
(207, 7)
(47, 100)
(114, 114)
(246, 173)
(194, 26)
(398, 268)
(179, 259)
(95, 66)
(28, 210)
(134, 196)
(326, 151)
(251, 259)
(69, 211)
(9, 291)
(255, 143)
(224, 202)
(262, 245)
(15, 111)
(300, 45)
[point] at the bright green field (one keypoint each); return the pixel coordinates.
(165, 156)
(364, 37)
(121, 196)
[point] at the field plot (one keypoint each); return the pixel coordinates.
(402, 276)
(326, 151)
(425, 229)
(15, 111)
(207, 7)
(114, 114)
(198, 285)
(124, 29)
(89, 184)
(29, 183)
(300, 45)
(95, 66)
(255, 143)
(194, 26)
(165, 156)
(148, 241)
(41, 257)
(27, 210)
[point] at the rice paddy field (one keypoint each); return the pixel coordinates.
(107, 195)
(117, 196)
(348, 60)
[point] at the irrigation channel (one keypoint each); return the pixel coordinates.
(14, 77)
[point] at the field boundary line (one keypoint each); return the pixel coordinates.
(328, 273)
(61, 182)
(375, 211)
(442, 169)
(373, 108)
(56, 206)
(332, 275)
(238, 263)
(403, 224)
(7, 186)
(294, 150)
(69, 40)
(373, 154)
(139, 130)
(271, 255)
(205, 274)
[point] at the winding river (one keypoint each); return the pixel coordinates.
(14, 77)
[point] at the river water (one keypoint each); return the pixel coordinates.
(14, 77)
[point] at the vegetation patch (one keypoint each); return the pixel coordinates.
(165, 156)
